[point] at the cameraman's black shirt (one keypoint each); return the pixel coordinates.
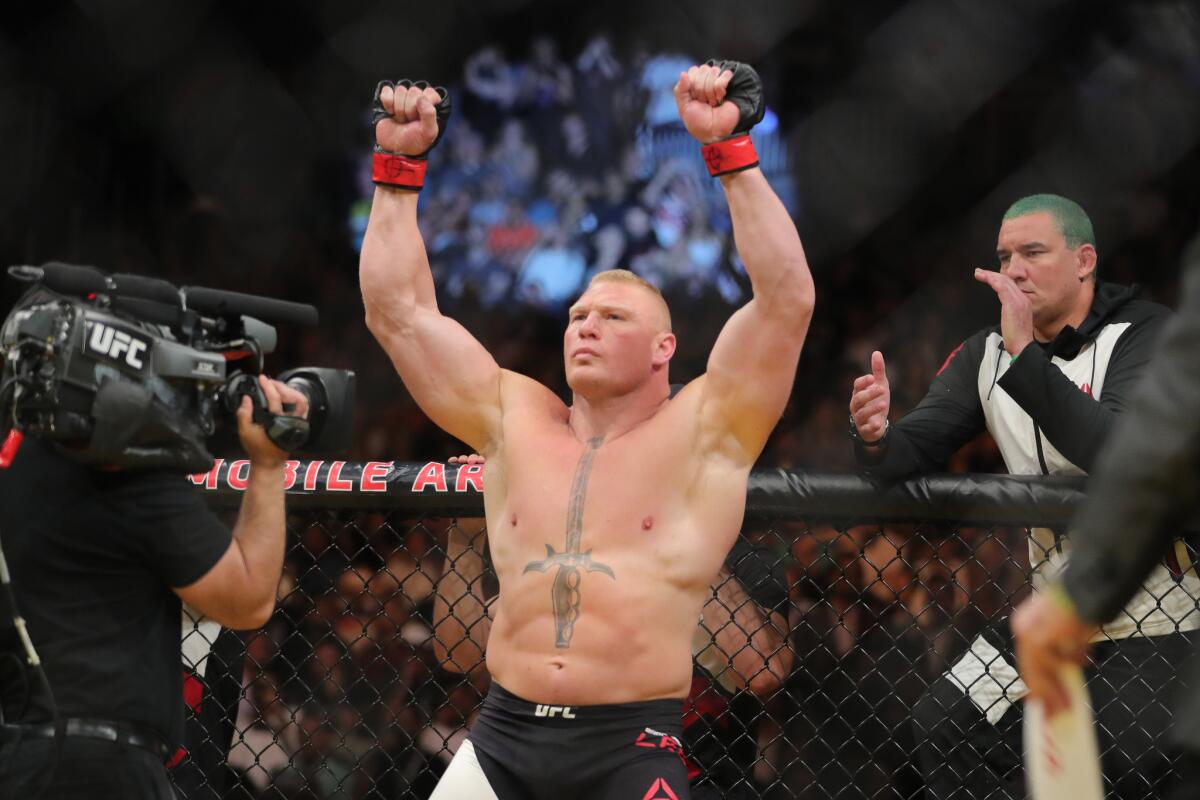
(93, 556)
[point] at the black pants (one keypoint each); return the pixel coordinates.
(964, 755)
(89, 769)
(525, 751)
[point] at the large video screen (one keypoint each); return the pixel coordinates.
(556, 166)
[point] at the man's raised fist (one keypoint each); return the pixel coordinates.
(718, 99)
(409, 117)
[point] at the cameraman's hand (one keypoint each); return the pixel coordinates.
(258, 446)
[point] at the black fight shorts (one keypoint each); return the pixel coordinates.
(518, 750)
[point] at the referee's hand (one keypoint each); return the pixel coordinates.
(870, 401)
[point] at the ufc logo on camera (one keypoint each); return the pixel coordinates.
(116, 345)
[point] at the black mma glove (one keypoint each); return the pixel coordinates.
(745, 90)
(736, 152)
(405, 170)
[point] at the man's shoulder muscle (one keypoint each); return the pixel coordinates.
(528, 409)
(526, 398)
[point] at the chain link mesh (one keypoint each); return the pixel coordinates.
(365, 681)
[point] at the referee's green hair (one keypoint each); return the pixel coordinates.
(1072, 221)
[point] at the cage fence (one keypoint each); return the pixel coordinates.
(844, 617)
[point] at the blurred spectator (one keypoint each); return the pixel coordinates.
(553, 272)
(598, 82)
(545, 81)
(321, 768)
(488, 76)
(659, 75)
(515, 158)
(267, 734)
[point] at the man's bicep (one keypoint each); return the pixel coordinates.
(453, 378)
(220, 593)
(750, 374)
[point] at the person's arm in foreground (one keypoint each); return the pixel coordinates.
(448, 372)
(239, 591)
(1145, 485)
(753, 363)
(461, 615)
(749, 648)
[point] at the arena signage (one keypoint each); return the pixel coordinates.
(361, 483)
(437, 488)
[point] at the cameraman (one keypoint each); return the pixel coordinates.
(100, 560)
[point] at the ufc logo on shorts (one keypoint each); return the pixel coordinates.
(552, 711)
(116, 344)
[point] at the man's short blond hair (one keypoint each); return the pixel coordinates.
(627, 276)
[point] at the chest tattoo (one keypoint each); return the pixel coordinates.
(566, 593)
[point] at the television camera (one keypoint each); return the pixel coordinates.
(132, 372)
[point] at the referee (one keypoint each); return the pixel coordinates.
(1146, 486)
(1049, 383)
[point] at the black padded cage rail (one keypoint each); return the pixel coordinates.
(835, 658)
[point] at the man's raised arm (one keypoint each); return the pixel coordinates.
(753, 364)
(448, 372)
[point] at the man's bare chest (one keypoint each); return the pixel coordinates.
(592, 515)
(590, 494)
(549, 461)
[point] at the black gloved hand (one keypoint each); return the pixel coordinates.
(442, 108)
(745, 90)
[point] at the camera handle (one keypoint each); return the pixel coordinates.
(287, 432)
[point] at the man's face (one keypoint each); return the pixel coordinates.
(1034, 254)
(615, 339)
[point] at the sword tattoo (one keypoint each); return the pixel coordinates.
(565, 593)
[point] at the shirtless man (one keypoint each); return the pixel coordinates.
(740, 648)
(609, 518)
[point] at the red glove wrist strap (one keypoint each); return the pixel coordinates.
(399, 171)
(730, 155)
